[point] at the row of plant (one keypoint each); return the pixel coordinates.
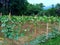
(40, 40)
(37, 18)
(31, 18)
(8, 24)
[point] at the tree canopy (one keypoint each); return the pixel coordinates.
(22, 7)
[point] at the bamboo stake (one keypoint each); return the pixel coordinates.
(0, 14)
(35, 30)
(59, 26)
(9, 16)
(47, 30)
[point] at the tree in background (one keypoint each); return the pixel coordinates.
(0, 7)
(58, 9)
(22, 7)
(34, 9)
(51, 11)
(18, 7)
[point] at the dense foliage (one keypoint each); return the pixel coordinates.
(16, 7)
(23, 7)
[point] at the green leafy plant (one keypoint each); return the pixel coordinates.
(8, 25)
(8, 28)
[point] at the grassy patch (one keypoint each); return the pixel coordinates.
(54, 41)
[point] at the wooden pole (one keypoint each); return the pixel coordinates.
(0, 24)
(0, 14)
(59, 26)
(9, 16)
(47, 30)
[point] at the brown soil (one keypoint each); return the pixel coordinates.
(34, 31)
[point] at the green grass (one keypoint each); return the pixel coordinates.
(55, 41)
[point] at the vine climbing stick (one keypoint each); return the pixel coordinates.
(47, 30)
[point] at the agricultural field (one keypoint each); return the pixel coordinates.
(29, 30)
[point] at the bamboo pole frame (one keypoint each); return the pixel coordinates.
(47, 28)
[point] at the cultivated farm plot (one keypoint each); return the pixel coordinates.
(28, 31)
